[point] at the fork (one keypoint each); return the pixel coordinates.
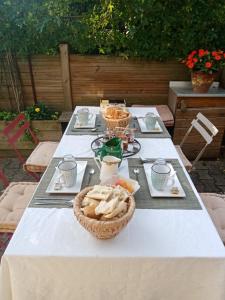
(67, 203)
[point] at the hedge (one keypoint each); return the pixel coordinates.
(145, 28)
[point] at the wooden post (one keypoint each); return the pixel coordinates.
(32, 79)
(65, 67)
(222, 79)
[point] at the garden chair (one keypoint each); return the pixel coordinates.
(215, 205)
(13, 202)
(3, 179)
(41, 156)
(208, 131)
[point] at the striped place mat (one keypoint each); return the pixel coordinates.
(99, 124)
(100, 128)
(46, 178)
(139, 134)
(144, 199)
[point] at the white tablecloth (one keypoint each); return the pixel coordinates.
(161, 254)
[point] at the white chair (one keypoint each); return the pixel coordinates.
(206, 129)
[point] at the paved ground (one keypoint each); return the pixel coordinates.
(209, 176)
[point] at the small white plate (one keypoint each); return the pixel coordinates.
(81, 166)
(157, 129)
(167, 192)
(90, 124)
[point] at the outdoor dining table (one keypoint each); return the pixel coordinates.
(161, 254)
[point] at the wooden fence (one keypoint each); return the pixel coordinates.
(64, 81)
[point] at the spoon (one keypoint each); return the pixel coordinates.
(136, 172)
(91, 172)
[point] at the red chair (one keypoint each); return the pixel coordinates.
(40, 158)
(3, 179)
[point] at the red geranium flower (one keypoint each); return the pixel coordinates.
(208, 64)
(205, 61)
(217, 57)
(201, 52)
(190, 65)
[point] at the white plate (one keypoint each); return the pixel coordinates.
(166, 193)
(90, 124)
(157, 129)
(81, 166)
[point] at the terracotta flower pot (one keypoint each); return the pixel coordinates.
(201, 81)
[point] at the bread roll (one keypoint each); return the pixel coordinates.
(121, 207)
(89, 211)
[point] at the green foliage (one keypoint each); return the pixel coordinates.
(40, 112)
(154, 29)
(34, 112)
(7, 116)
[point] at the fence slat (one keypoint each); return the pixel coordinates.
(64, 56)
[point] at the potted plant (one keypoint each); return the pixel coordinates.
(204, 66)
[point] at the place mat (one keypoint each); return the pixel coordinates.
(99, 124)
(144, 199)
(138, 134)
(100, 128)
(46, 178)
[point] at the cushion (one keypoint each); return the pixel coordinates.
(40, 157)
(215, 205)
(13, 202)
(164, 112)
(186, 162)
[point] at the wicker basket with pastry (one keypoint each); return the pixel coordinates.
(104, 210)
(116, 117)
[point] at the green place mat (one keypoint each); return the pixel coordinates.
(139, 134)
(144, 199)
(46, 178)
(100, 125)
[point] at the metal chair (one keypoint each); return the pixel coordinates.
(206, 129)
(13, 202)
(39, 159)
(3, 179)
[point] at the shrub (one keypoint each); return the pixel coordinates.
(147, 28)
(35, 112)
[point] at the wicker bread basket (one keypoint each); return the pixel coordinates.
(102, 229)
(113, 123)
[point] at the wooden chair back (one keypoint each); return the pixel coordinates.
(14, 131)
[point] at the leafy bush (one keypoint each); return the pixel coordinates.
(7, 116)
(34, 112)
(40, 112)
(147, 28)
